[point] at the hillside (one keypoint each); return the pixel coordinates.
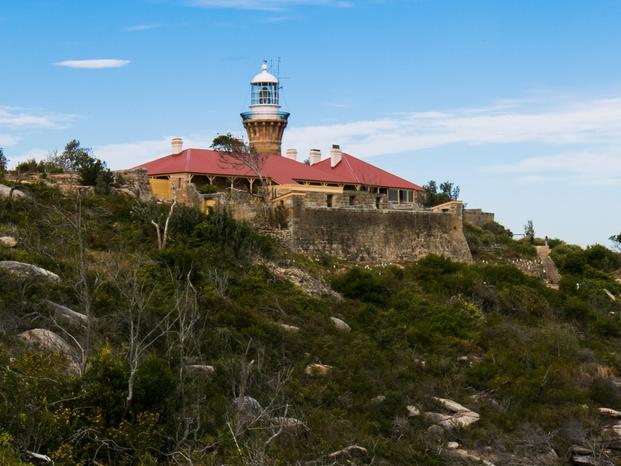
(222, 348)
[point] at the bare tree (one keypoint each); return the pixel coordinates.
(162, 232)
(144, 329)
(235, 153)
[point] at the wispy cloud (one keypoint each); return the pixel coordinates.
(19, 118)
(6, 140)
(142, 27)
(588, 122)
(268, 5)
(584, 168)
(95, 64)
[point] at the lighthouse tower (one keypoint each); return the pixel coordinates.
(265, 123)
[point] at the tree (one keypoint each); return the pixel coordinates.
(235, 153)
(447, 191)
(616, 239)
(92, 171)
(4, 162)
(529, 231)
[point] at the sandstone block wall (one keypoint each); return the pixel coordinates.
(377, 235)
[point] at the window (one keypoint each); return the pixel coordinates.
(329, 198)
(352, 200)
(410, 196)
(403, 197)
(393, 195)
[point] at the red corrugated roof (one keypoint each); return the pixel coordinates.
(280, 169)
(357, 171)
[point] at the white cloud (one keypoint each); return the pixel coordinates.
(269, 5)
(142, 27)
(94, 64)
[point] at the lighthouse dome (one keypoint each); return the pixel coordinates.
(264, 77)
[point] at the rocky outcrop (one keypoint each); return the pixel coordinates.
(460, 415)
(310, 285)
(23, 270)
(340, 324)
(50, 341)
(288, 424)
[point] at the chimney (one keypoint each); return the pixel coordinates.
(292, 154)
(176, 145)
(335, 155)
(315, 156)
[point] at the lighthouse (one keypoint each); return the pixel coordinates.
(265, 123)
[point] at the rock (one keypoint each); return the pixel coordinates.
(452, 445)
(340, 324)
(303, 280)
(548, 458)
(288, 424)
(5, 192)
(435, 431)
(466, 455)
(610, 295)
(124, 192)
(609, 412)
(67, 314)
(8, 241)
(248, 406)
(48, 340)
(412, 410)
(201, 369)
(317, 369)
(39, 456)
(353, 451)
(24, 270)
(289, 328)
(378, 399)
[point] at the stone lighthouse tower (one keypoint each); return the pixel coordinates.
(265, 123)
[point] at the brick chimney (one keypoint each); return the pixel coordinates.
(335, 155)
(292, 154)
(315, 156)
(176, 146)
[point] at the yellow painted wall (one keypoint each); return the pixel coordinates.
(161, 189)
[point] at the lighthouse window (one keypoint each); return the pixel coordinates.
(265, 96)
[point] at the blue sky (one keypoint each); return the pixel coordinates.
(517, 101)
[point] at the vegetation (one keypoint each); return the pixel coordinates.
(435, 195)
(4, 162)
(177, 338)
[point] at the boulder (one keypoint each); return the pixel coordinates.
(288, 424)
(352, 451)
(201, 369)
(289, 328)
(412, 410)
(609, 412)
(50, 341)
(378, 399)
(317, 369)
(67, 314)
(340, 324)
(8, 241)
(467, 456)
(24, 270)
(5, 192)
(248, 406)
(452, 445)
(435, 431)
